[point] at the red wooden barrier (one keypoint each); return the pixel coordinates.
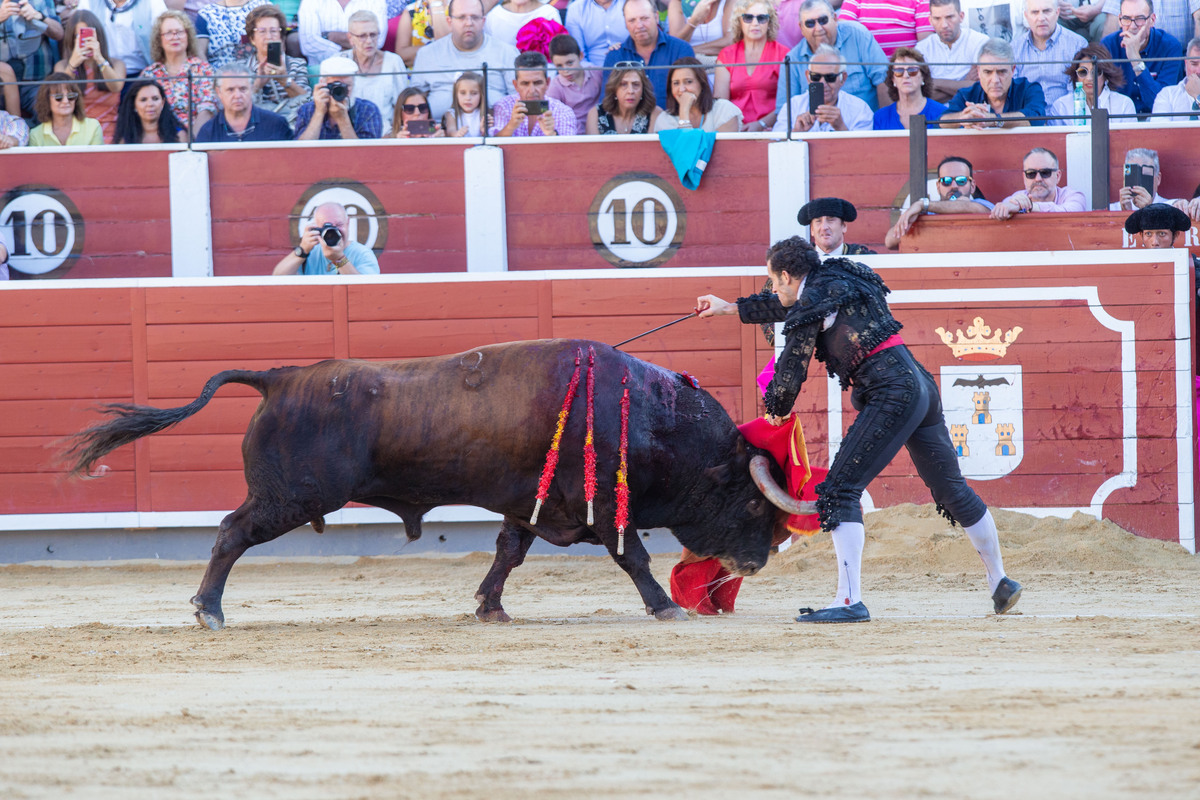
(1096, 384)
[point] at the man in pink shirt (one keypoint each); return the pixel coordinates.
(577, 87)
(893, 23)
(1041, 192)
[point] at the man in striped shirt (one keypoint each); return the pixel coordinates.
(893, 23)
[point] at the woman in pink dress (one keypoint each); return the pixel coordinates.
(173, 47)
(754, 25)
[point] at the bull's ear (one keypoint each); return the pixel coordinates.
(719, 475)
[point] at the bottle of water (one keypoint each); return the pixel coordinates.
(1081, 106)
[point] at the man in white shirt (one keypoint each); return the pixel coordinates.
(466, 48)
(324, 25)
(1182, 99)
(1133, 197)
(953, 52)
(840, 111)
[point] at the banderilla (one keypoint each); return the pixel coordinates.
(659, 328)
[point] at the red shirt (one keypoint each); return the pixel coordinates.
(753, 94)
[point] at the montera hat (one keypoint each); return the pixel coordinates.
(827, 207)
(1157, 217)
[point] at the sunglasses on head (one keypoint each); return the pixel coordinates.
(638, 65)
(413, 108)
(961, 180)
(822, 76)
(762, 19)
(1045, 173)
(907, 70)
(812, 23)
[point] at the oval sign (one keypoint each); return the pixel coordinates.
(637, 220)
(368, 218)
(47, 231)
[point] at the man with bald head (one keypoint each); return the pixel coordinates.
(326, 249)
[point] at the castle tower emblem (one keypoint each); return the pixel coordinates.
(983, 399)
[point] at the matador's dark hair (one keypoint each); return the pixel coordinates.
(795, 256)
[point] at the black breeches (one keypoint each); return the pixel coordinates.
(898, 405)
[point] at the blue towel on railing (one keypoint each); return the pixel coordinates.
(689, 151)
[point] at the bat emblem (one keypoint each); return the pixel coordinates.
(980, 382)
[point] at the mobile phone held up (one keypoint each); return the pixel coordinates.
(1139, 175)
(816, 96)
(535, 108)
(86, 33)
(419, 127)
(275, 53)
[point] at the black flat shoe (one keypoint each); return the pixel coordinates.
(855, 613)
(1007, 593)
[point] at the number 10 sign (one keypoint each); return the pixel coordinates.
(637, 220)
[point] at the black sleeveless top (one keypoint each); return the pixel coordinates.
(641, 123)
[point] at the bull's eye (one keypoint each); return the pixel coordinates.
(755, 507)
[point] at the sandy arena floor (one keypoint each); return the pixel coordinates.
(372, 679)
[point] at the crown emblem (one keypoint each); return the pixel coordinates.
(979, 344)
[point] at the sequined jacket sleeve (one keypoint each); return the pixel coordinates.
(802, 325)
(761, 307)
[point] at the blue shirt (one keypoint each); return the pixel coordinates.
(667, 51)
(1157, 75)
(364, 118)
(264, 126)
(361, 257)
(596, 28)
(1024, 96)
(888, 118)
(1047, 67)
(856, 44)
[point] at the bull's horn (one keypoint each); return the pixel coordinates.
(760, 471)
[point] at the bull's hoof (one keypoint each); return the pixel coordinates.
(492, 615)
(671, 614)
(214, 620)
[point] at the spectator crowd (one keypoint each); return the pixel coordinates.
(82, 72)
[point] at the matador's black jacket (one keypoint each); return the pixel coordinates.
(863, 322)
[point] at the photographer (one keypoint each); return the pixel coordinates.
(334, 113)
(325, 248)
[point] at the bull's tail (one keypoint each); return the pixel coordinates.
(131, 422)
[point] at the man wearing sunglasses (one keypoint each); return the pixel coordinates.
(839, 110)
(1151, 54)
(1042, 192)
(865, 63)
(956, 195)
(997, 99)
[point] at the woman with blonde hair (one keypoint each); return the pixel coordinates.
(173, 48)
(744, 74)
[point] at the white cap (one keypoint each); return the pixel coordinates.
(338, 65)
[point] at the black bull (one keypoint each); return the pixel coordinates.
(474, 429)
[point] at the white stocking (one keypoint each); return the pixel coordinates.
(983, 536)
(848, 539)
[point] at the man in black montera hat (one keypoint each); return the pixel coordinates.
(826, 219)
(837, 308)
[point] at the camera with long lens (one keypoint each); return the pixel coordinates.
(338, 91)
(330, 234)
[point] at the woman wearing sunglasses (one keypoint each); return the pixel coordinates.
(413, 107)
(747, 81)
(1095, 79)
(59, 107)
(909, 84)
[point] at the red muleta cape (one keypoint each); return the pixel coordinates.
(702, 584)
